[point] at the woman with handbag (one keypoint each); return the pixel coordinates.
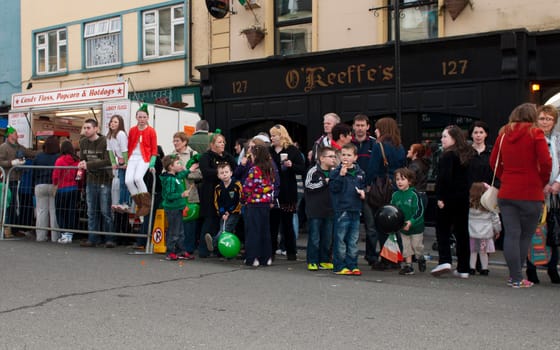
(524, 171)
(546, 121)
(387, 155)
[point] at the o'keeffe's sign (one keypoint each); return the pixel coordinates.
(76, 95)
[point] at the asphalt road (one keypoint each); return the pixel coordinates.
(67, 297)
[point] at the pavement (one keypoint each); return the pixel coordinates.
(496, 258)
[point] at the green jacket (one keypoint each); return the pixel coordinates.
(172, 186)
(411, 205)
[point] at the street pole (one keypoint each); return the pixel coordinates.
(398, 107)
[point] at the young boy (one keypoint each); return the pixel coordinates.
(408, 200)
(346, 185)
(227, 202)
(174, 194)
(318, 207)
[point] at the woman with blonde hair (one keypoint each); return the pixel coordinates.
(289, 162)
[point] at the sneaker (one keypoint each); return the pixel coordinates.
(344, 271)
(256, 263)
(185, 256)
(171, 257)
(209, 242)
(110, 244)
(312, 267)
(269, 262)
(421, 264)
(87, 244)
(463, 275)
(325, 266)
(65, 238)
(441, 269)
(509, 282)
(522, 284)
(356, 272)
(407, 270)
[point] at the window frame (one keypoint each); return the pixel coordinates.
(404, 5)
(97, 30)
(44, 47)
(155, 26)
(286, 24)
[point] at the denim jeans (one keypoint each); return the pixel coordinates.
(319, 241)
(346, 234)
(174, 237)
(98, 199)
(124, 195)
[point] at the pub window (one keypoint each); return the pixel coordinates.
(103, 42)
(419, 20)
(163, 32)
(50, 51)
(293, 26)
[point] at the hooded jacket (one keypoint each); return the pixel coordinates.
(524, 166)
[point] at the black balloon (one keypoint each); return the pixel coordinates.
(389, 219)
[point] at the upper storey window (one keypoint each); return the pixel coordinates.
(50, 51)
(163, 32)
(293, 26)
(418, 20)
(103, 42)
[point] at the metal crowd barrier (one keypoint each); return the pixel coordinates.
(23, 199)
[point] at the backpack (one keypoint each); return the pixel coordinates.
(381, 190)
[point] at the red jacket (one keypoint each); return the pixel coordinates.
(64, 177)
(148, 146)
(524, 166)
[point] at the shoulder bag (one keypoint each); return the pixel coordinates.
(381, 189)
(489, 200)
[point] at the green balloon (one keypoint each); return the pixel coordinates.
(229, 245)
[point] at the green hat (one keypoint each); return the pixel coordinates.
(10, 130)
(143, 108)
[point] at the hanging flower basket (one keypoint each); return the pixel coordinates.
(254, 35)
(455, 7)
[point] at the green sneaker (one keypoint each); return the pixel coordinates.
(312, 267)
(344, 271)
(325, 266)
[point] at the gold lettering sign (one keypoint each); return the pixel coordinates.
(309, 78)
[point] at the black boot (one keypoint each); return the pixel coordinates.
(532, 276)
(553, 274)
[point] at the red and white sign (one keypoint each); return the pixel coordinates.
(83, 94)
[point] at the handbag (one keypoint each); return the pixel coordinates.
(553, 222)
(381, 190)
(489, 199)
(539, 253)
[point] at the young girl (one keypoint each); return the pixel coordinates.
(483, 227)
(117, 145)
(67, 194)
(259, 194)
(142, 152)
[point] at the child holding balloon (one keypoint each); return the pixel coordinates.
(174, 197)
(227, 201)
(259, 194)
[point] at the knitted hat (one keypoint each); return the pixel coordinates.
(143, 108)
(10, 130)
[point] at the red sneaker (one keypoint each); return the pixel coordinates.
(171, 257)
(356, 272)
(185, 256)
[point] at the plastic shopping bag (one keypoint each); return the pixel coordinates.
(391, 250)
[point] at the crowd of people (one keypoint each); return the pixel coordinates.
(205, 191)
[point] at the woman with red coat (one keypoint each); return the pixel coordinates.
(524, 169)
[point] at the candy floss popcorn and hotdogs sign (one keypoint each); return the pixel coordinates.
(82, 94)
